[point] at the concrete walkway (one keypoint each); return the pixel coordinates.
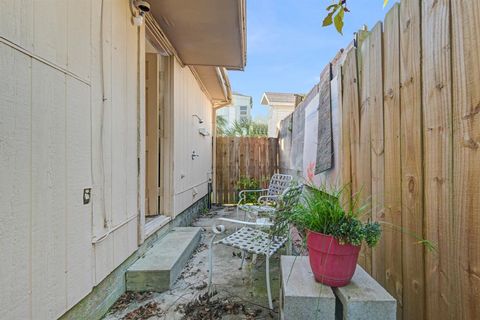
(241, 294)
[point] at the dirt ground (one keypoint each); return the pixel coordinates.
(238, 294)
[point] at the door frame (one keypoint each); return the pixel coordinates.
(166, 135)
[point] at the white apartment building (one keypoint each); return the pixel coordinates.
(238, 110)
(280, 105)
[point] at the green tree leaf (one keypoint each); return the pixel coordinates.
(328, 20)
(338, 20)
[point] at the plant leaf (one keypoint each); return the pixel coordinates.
(328, 20)
(332, 7)
(338, 21)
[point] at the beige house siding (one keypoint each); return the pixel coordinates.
(58, 136)
(277, 114)
(190, 176)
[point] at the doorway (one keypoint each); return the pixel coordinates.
(156, 95)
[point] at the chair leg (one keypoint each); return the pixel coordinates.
(289, 246)
(267, 276)
(210, 263)
(243, 259)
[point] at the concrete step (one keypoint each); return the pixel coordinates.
(161, 265)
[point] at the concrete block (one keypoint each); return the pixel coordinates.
(161, 265)
(301, 296)
(365, 299)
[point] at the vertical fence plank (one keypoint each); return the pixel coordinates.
(345, 154)
(350, 105)
(393, 175)
(231, 170)
(466, 161)
(411, 154)
(225, 172)
(238, 157)
(437, 135)
(375, 77)
(364, 154)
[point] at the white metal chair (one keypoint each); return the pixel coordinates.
(267, 200)
(251, 239)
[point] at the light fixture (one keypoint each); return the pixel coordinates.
(138, 20)
(142, 7)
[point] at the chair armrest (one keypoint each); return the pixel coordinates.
(266, 199)
(241, 193)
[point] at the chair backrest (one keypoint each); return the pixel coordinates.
(291, 196)
(278, 184)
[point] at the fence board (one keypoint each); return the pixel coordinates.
(466, 157)
(393, 174)
(364, 155)
(350, 104)
(238, 157)
(437, 135)
(411, 155)
(430, 134)
(375, 77)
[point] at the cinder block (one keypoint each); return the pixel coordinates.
(301, 296)
(365, 299)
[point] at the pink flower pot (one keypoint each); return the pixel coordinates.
(332, 263)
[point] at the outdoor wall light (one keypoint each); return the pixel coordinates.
(143, 7)
(199, 119)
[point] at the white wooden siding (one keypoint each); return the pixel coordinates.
(52, 147)
(16, 178)
(58, 136)
(190, 176)
(48, 192)
(114, 142)
(78, 168)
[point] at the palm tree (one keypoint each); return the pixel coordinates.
(247, 128)
(221, 125)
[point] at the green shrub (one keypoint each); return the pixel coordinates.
(322, 211)
(247, 183)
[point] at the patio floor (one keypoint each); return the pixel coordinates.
(240, 294)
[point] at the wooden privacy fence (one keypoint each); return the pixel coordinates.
(237, 157)
(408, 96)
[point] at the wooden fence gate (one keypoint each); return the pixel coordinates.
(242, 157)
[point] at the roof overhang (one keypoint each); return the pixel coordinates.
(215, 83)
(267, 102)
(204, 33)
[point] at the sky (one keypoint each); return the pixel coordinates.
(287, 47)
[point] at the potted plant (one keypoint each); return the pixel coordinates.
(334, 232)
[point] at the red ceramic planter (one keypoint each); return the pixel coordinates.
(332, 263)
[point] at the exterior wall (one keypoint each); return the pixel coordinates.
(231, 113)
(277, 113)
(103, 296)
(191, 176)
(71, 113)
(54, 144)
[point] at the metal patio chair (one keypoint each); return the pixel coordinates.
(267, 200)
(250, 238)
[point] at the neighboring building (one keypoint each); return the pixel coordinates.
(240, 109)
(94, 112)
(280, 105)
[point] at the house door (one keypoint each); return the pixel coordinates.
(153, 101)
